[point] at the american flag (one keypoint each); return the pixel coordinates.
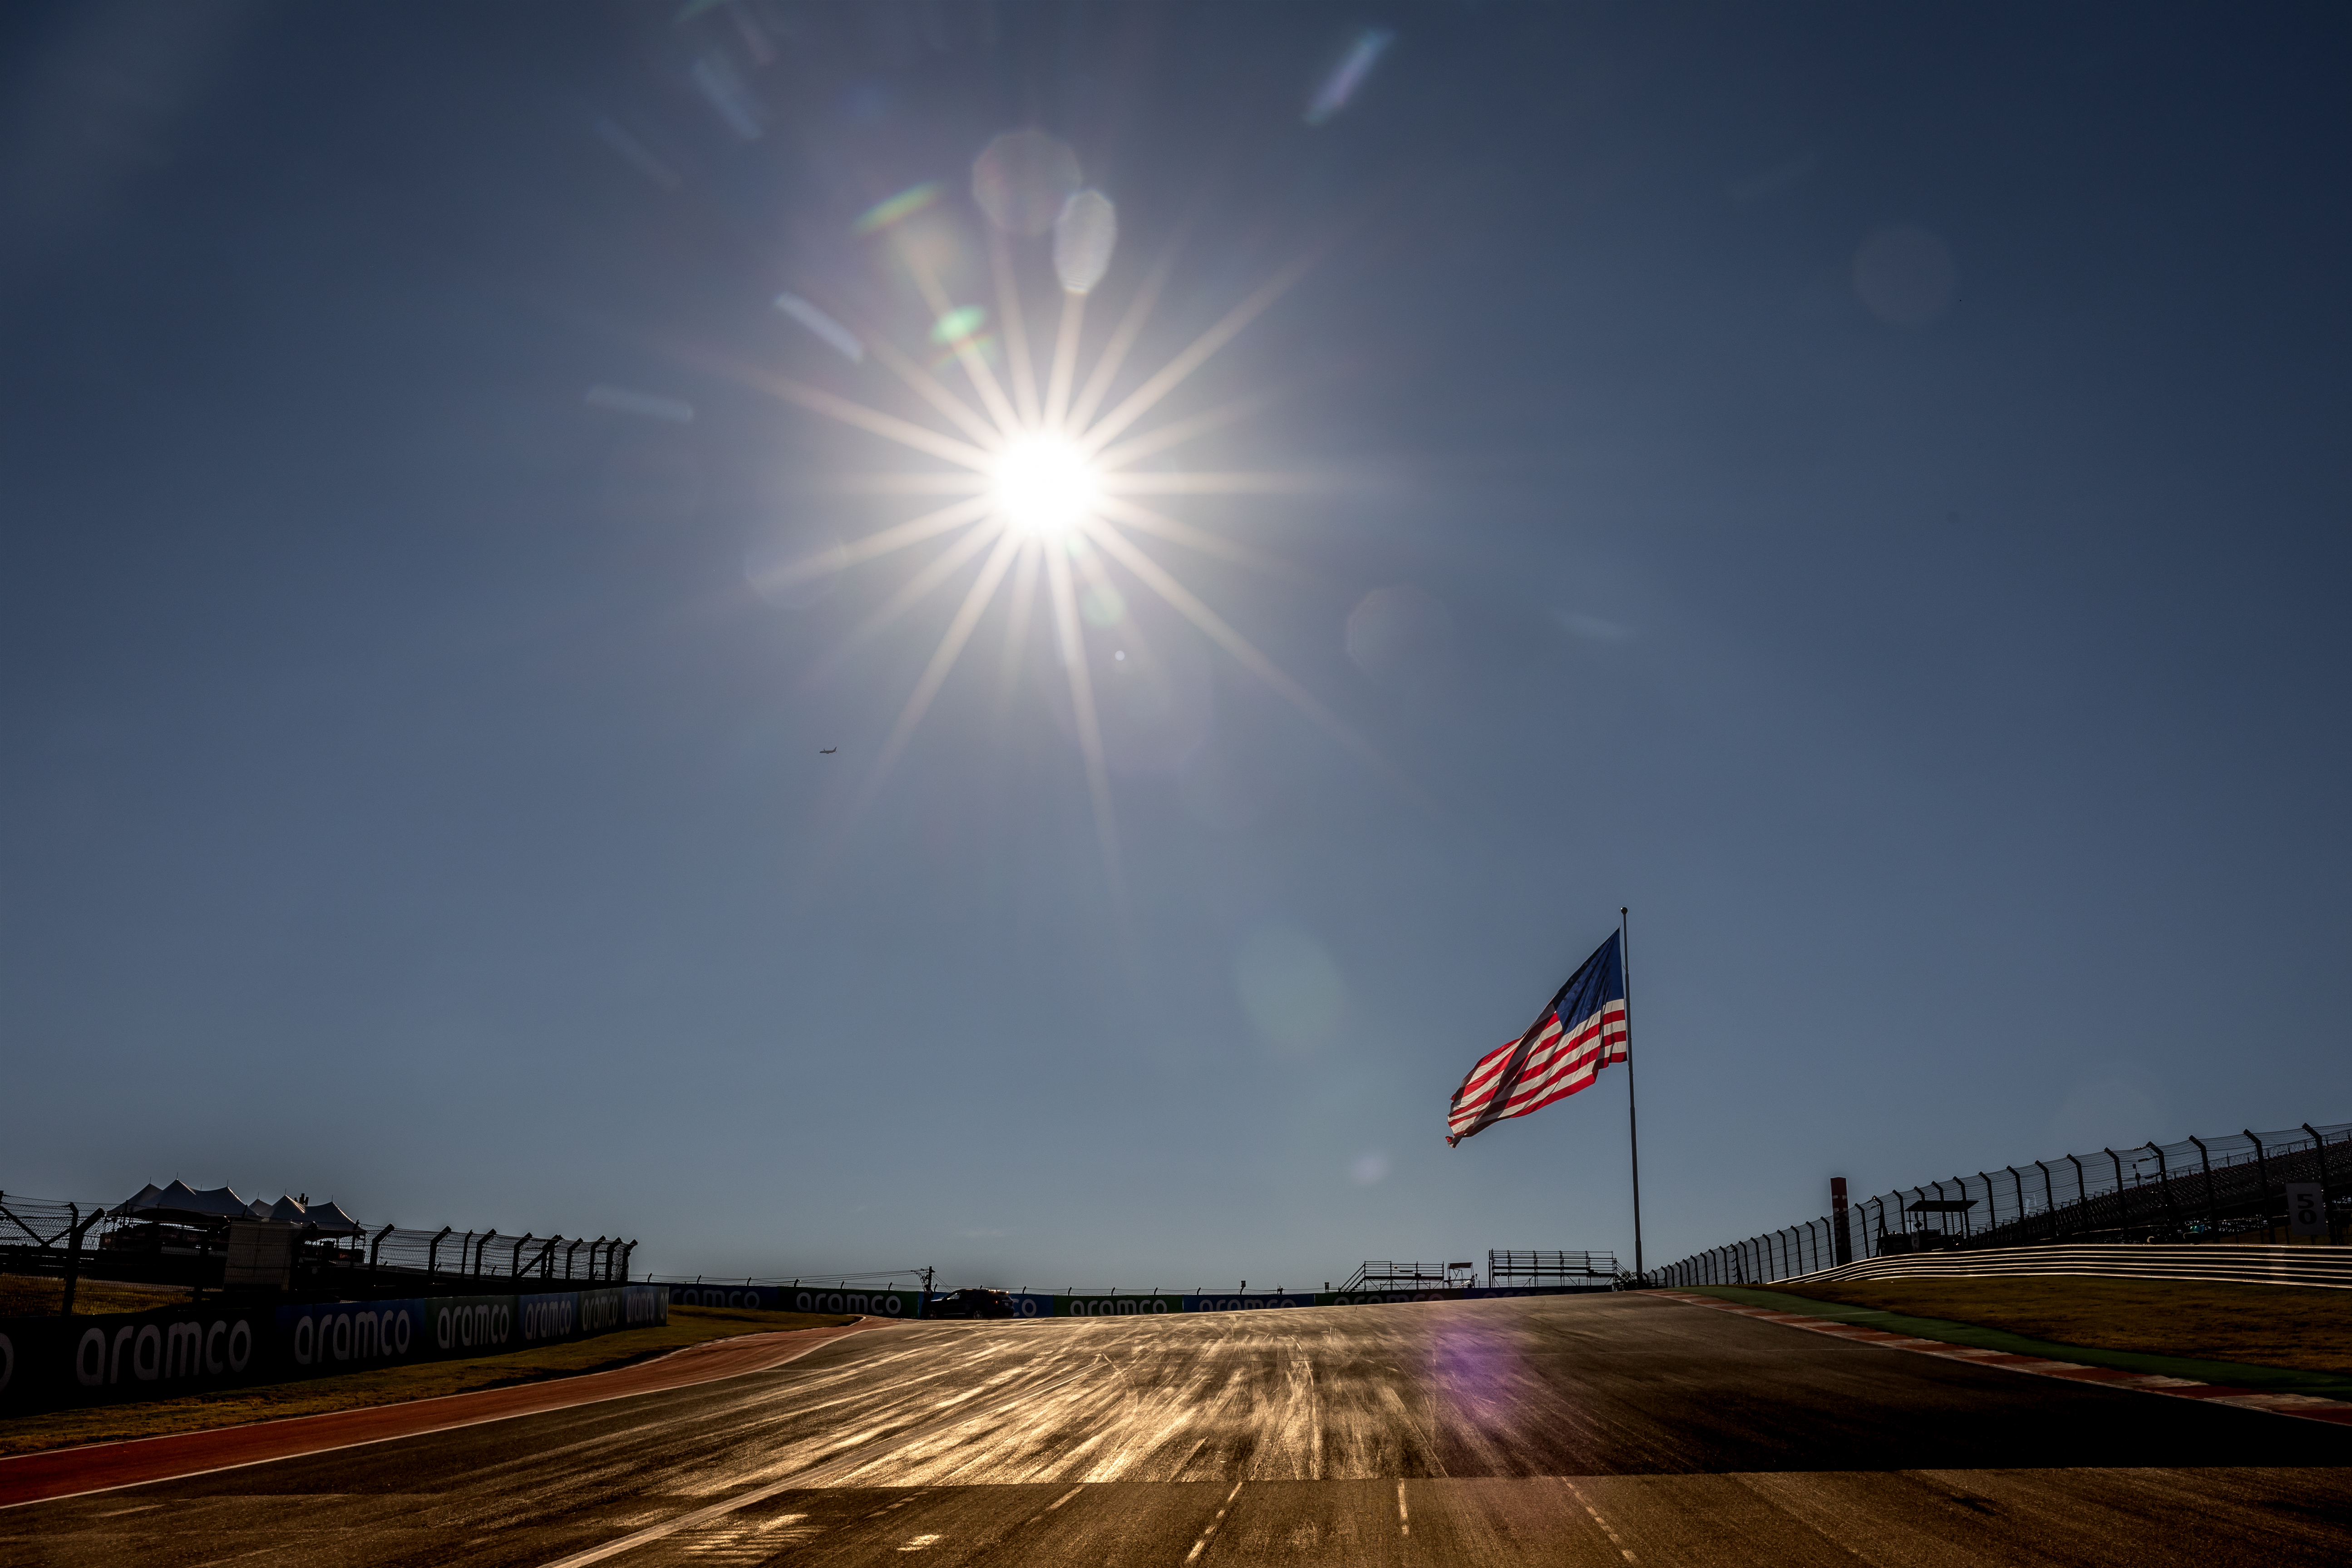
(1581, 1030)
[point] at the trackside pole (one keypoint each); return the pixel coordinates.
(1633, 1133)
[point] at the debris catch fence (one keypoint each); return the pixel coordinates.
(2226, 1189)
(77, 1240)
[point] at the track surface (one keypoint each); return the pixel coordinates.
(1569, 1431)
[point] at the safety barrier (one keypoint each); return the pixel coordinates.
(63, 1360)
(865, 1302)
(2326, 1267)
(757, 1296)
(2230, 1188)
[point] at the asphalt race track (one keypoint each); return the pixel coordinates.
(1566, 1431)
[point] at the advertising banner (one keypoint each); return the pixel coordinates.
(871, 1303)
(1390, 1298)
(130, 1355)
(345, 1336)
(1242, 1302)
(1114, 1306)
(183, 1350)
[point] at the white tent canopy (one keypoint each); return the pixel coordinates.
(332, 1220)
(181, 1202)
(192, 1205)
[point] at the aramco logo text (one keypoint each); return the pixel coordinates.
(470, 1323)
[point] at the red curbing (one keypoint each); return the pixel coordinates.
(103, 1466)
(2311, 1408)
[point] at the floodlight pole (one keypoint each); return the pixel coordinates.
(1632, 1137)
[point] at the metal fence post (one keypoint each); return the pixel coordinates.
(2262, 1171)
(2212, 1208)
(514, 1260)
(433, 1253)
(2320, 1146)
(76, 1229)
(2123, 1210)
(2164, 1181)
(2049, 1202)
(2082, 1195)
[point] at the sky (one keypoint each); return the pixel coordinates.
(1863, 488)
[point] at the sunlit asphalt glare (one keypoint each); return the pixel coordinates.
(1042, 485)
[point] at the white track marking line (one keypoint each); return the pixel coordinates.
(1404, 1519)
(1063, 1499)
(1201, 1545)
(1606, 1529)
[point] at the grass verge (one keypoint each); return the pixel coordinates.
(2211, 1332)
(38, 1295)
(2261, 1325)
(389, 1385)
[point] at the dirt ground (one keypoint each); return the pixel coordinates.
(2260, 1325)
(392, 1386)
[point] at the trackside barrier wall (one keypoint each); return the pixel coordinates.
(1036, 1304)
(800, 1299)
(1118, 1306)
(2306, 1266)
(52, 1361)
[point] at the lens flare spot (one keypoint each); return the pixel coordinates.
(1289, 987)
(1103, 606)
(904, 205)
(963, 323)
(1084, 237)
(1022, 179)
(1042, 485)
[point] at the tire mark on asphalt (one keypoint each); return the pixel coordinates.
(826, 1474)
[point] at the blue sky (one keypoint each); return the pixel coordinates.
(1864, 489)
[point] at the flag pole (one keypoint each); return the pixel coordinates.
(1633, 1135)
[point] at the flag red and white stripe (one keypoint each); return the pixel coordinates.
(1583, 1030)
(1560, 1064)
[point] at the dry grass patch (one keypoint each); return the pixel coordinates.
(38, 1295)
(2309, 1330)
(391, 1385)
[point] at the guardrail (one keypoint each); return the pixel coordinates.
(2328, 1267)
(2224, 1189)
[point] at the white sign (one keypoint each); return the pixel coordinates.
(2307, 1210)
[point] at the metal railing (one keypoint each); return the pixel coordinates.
(2329, 1266)
(2201, 1190)
(75, 1241)
(1536, 1267)
(1379, 1274)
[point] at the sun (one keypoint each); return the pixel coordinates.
(1042, 485)
(1047, 479)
